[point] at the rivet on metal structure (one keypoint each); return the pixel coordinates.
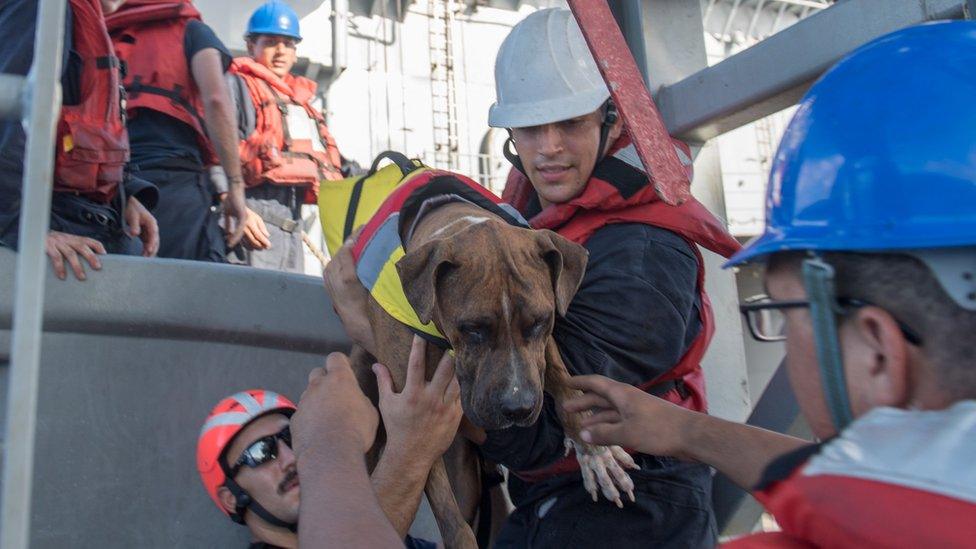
(44, 91)
(640, 115)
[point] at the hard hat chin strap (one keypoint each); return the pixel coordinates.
(818, 279)
(508, 149)
(610, 116)
(245, 502)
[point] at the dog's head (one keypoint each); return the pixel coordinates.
(494, 291)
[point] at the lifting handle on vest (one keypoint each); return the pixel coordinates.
(405, 164)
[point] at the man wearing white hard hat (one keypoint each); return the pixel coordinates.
(641, 315)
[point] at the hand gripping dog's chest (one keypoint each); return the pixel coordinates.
(379, 247)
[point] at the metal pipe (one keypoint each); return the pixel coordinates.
(773, 74)
(340, 36)
(729, 20)
(755, 18)
(11, 96)
(44, 93)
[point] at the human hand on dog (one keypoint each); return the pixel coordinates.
(626, 416)
(349, 297)
(333, 413)
(422, 419)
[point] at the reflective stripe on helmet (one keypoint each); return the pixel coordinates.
(252, 408)
(226, 418)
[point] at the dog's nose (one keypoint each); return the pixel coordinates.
(517, 406)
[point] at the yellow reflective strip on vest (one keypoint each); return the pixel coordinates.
(388, 293)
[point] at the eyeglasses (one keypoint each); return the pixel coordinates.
(767, 320)
(262, 451)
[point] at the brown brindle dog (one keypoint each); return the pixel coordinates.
(493, 290)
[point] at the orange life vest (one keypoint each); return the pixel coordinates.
(270, 154)
(148, 37)
(619, 192)
(92, 145)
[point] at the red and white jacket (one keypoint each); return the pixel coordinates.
(893, 479)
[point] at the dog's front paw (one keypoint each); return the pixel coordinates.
(603, 470)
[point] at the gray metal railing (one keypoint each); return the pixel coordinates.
(38, 105)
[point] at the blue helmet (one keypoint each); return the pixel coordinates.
(879, 157)
(276, 18)
(881, 153)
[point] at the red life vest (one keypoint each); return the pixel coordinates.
(893, 479)
(619, 192)
(270, 154)
(92, 145)
(148, 37)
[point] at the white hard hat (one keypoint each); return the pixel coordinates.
(544, 73)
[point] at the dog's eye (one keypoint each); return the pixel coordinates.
(536, 329)
(474, 334)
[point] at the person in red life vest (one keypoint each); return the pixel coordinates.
(247, 460)
(286, 148)
(181, 121)
(870, 254)
(96, 207)
(641, 315)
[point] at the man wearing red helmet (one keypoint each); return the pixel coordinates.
(246, 463)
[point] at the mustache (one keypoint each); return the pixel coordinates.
(290, 476)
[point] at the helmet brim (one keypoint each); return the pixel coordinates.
(523, 115)
(273, 32)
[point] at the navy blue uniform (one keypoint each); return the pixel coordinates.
(166, 151)
(634, 316)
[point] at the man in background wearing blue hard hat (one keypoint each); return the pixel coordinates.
(286, 149)
(870, 257)
(181, 122)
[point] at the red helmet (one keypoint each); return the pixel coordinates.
(227, 419)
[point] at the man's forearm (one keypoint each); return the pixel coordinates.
(222, 129)
(338, 506)
(398, 482)
(741, 452)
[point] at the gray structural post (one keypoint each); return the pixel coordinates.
(675, 48)
(44, 85)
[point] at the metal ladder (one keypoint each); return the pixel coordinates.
(443, 95)
(36, 101)
(764, 144)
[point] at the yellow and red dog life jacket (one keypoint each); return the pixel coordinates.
(379, 247)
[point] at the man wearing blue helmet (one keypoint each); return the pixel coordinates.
(870, 257)
(285, 147)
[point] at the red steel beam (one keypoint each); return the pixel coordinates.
(630, 95)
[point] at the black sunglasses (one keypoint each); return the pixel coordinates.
(262, 451)
(766, 321)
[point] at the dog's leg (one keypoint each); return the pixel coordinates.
(454, 529)
(393, 349)
(602, 466)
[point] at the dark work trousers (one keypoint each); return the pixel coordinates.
(669, 512)
(186, 214)
(281, 209)
(79, 216)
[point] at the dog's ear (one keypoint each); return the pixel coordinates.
(419, 272)
(567, 263)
